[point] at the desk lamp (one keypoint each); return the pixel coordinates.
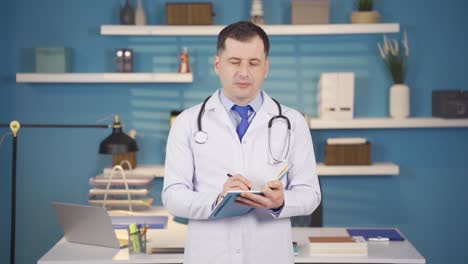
(116, 143)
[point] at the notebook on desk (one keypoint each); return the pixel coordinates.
(376, 233)
(87, 225)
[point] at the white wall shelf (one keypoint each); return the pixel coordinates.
(376, 169)
(104, 78)
(272, 30)
(372, 123)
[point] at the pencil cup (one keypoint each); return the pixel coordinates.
(136, 241)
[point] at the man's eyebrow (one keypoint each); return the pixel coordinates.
(239, 59)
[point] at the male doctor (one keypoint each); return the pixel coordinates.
(235, 140)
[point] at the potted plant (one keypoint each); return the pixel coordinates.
(365, 13)
(395, 59)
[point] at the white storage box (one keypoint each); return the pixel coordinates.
(335, 96)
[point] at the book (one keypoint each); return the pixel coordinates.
(376, 234)
(228, 207)
(167, 250)
(337, 245)
(151, 221)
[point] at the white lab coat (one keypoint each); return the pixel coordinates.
(195, 174)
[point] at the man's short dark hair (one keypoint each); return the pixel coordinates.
(242, 31)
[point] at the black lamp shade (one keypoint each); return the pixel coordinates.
(118, 142)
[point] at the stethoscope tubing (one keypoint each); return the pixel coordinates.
(201, 136)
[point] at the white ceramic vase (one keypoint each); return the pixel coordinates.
(140, 18)
(399, 101)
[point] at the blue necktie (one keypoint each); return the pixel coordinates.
(243, 112)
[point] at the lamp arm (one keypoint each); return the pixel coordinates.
(60, 125)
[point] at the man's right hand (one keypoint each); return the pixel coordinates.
(235, 182)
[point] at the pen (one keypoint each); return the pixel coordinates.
(230, 175)
(145, 228)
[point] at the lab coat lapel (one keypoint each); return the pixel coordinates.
(265, 113)
(214, 110)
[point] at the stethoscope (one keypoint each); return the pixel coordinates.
(201, 137)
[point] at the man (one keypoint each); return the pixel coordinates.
(229, 134)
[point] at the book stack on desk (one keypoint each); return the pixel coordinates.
(139, 183)
(337, 245)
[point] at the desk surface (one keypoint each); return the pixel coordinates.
(174, 236)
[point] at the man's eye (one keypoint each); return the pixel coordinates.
(235, 62)
(255, 63)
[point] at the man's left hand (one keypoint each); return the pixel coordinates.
(272, 198)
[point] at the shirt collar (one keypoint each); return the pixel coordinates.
(256, 103)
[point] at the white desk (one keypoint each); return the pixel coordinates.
(69, 253)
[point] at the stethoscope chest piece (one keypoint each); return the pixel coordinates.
(200, 137)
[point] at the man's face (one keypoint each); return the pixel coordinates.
(242, 67)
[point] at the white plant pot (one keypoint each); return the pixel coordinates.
(365, 17)
(399, 101)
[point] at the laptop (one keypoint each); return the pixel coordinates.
(86, 224)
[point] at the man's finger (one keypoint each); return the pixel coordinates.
(242, 179)
(238, 186)
(277, 185)
(248, 202)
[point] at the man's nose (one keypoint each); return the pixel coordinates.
(244, 70)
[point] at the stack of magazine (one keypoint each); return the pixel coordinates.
(337, 245)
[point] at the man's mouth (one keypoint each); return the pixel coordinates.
(242, 84)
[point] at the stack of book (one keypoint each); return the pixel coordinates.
(112, 193)
(337, 245)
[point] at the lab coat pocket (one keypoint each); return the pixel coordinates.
(207, 246)
(276, 246)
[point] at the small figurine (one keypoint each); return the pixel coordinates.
(184, 66)
(256, 13)
(124, 60)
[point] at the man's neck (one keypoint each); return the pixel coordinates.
(241, 101)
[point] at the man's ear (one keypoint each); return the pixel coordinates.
(216, 64)
(267, 64)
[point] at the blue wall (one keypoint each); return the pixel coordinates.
(425, 201)
(6, 96)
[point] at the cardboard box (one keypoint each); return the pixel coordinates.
(53, 59)
(189, 13)
(353, 154)
(335, 96)
(310, 11)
